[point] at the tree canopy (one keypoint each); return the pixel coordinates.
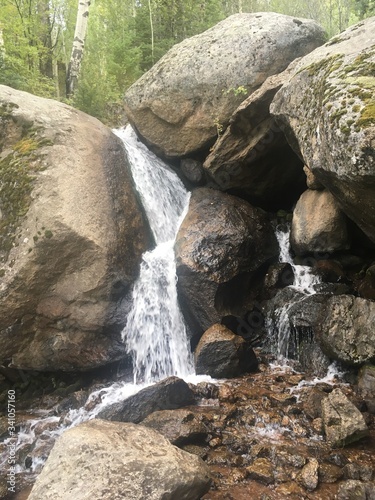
(124, 39)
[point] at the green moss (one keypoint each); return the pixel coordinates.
(17, 173)
(367, 116)
(2, 272)
(48, 234)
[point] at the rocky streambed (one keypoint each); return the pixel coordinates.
(273, 434)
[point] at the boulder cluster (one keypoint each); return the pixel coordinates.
(269, 127)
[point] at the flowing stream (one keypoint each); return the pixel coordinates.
(155, 333)
(304, 284)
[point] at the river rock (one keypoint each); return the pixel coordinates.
(308, 476)
(345, 329)
(318, 224)
(221, 241)
(71, 236)
(101, 459)
(356, 490)
(343, 422)
(168, 394)
(223, 354)
(189, 94)
(180, 427)
(327, 111)
(253, 157)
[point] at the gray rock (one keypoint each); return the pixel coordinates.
(366, 386)
(180, 427)
(71, 239)
(222, 354)
(193, 171)
(318, 224)
(343, 422)
(356, 490)
(345, 329)
(100, 459)
(326, 110)
(220, 242)
(253, 157)
(168, 394)
(189, 94)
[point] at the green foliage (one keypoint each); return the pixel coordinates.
(125, 38)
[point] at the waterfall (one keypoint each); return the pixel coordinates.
(304, 284)
(155, 333)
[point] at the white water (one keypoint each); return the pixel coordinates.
(155, 333)
(304, 283)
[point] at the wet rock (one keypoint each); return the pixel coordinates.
(221, 241)
(193, 171)
(131, 461)
(312, 405)
(330, 473)
(345, 329)
(356, 490)
(308, 476)
(180, 427)
(71, 240)
(222, 354)
(330, 271)
(335, 139)
(318, 225)
(169, 394)
(343, 423)
(279, 276)
(192, 91)
(358, 471)
(206, 390)
(261, 470)
(252, 157)
(366, 386)
(289, 457)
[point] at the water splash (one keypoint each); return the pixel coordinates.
(287, 341)
(155, 332)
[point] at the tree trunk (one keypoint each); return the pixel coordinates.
(152, 32)
(74, 66)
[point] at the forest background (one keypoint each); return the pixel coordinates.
(87, 53)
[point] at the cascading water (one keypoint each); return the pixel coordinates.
(155, 333)
(304, 283)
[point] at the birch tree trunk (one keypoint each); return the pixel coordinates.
(74, 66)
(152, 32)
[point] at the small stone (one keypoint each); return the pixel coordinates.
(343, 422)
(352, 490)
(317, 425)
(330, 473)
(308, 477)
(261, 470)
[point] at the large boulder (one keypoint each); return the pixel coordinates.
(346, 329)
(221, 241)
(327, 111)
(318, 225)
(343, 422)
(252, 157)
(101, 459)
(71, 236)
(223, 354)
(168, 394)
(181, 102)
